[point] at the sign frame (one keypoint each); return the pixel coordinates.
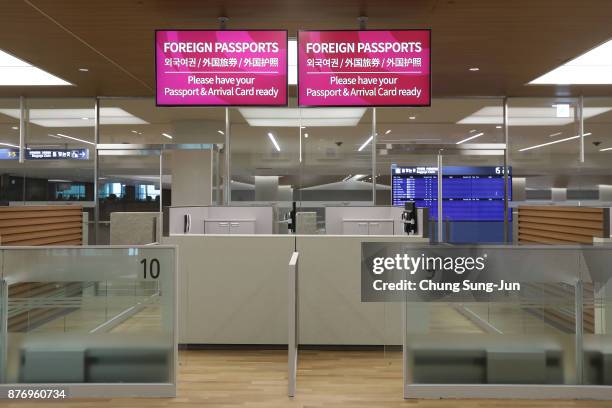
(299, 105)
(286, 104)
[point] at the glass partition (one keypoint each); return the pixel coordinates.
(551, 329)
(544, 150)
(90, 315)
(596, 171)
(12, 172)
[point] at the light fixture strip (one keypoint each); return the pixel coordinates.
(274, 142)
(363, 146)
(470, 138)
(552, 143)
(75, 138)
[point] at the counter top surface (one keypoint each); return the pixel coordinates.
(368, 219)
(229, 219)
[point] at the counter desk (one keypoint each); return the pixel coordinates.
(233, 290)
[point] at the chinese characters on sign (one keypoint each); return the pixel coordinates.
(221, 68)
(364, 68)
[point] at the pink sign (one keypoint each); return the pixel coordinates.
(364, 68)
(221, 67)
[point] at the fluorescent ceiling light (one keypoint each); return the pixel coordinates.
(221, 132)
(16, 72)
(366, 143)
(9, 145)
(470, 138)
(388, 131)
(59, 181)
(76, 117)
(167, 135)
(276, 146)
(472, 131)
(75, 138)
(555, 134)
(15, 127)
(292, 62)
(605, 149)
(552, 143)
(292, 117)
(474, 69)
(591, 68)
(526, 116)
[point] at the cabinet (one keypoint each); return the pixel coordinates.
(229, 227)
(367, 227)
(380, 228)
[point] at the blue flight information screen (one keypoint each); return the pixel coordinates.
(469, 193)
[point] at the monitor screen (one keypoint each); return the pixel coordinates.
(469, 193)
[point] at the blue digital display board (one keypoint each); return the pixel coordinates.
(46, 154)
(469, 193)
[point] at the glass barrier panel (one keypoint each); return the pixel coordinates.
(90, 315)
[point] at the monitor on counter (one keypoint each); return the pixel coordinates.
(470, 193)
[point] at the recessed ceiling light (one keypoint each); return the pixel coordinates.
(16, 72)
(498, 127)
(274, 142)
(85, 118)
(388, 131)
(293, 117)
(74, 117)
(474, 69)
(15, 127)
(594, 67)
(412, 117)
(221, 132)
(167, 135)
(305, 135)
(84, 69)
(470, 138)
(292, 62)
(552, 143)
(527, 116)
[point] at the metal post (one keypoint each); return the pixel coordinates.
(506, 190)
(373, 145)
(158, 225)
(96, 170)
(579, 316)
(440, 239)
(228, 176)
(579, 110)
(3, 328)
(405, 372)
(292, 340)
(22, 129)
